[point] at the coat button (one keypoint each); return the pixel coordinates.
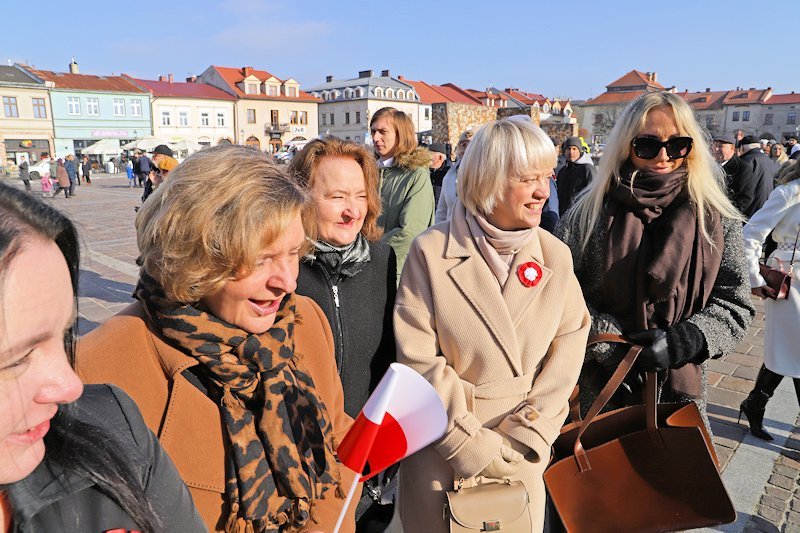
(532, 415)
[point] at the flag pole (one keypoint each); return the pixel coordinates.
(347, 503)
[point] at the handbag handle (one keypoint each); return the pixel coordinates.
(611, 387)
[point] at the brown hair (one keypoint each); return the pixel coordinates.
(209, 222)
(304, 168)
(403, 127)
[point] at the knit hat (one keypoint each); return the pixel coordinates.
(572, 141)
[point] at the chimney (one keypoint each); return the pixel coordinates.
(364, 73)
(385, 74)
(73, 67)
(328, 79)
(160, 78)
(170, 78)
(752, 89)
(246, 71)
(708, 89)
(191, 79)
(401, 77)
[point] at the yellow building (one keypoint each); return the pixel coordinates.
(27, 125)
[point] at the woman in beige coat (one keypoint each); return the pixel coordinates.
(490, 312)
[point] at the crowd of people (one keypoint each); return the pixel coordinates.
(272, 299)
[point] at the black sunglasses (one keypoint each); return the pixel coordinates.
(648, 147)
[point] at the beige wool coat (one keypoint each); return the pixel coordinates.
(503, 359)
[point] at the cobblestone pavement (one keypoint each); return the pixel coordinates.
(762, 477)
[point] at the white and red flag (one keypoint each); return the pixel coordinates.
(403, 415)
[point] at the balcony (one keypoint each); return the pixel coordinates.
(274, 127)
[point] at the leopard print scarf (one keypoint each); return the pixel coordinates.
(279, 431)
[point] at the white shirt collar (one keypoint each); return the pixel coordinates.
(386, 163)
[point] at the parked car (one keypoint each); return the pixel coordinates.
(286, 153)
(41, 168)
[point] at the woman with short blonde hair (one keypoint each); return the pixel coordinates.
(657, 247)
(233, 371)
(490, 312)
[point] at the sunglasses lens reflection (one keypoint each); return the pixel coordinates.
(648, 148)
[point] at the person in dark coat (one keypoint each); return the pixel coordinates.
(763, 170)
(54, 475)
(738, 175)
(24, 174)
(440, 165)
(351, 275)
(86, 169)
(72, 173)
(575, 175)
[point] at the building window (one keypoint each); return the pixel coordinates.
(250, 88)
(39, 109)
(303, 117)
(735, 116)
(768, 119)
(136, 108)
(598, 117)
(745, 116)
(10, 106)
(73, 105)
(293, 119)
(324, 118)
(347, 138)
(92, 106)
(333, 121)
(273, 117)
(378, 92)
(183, 117)
(166, 118)
(427, 113)
(220, 119)
(347, 118)
(361, 92)
(348, 93)
(251, 116)
(204, 120)
(791, 118)
(401, 95)
(273, 90)
(358, 117)
(389, 93)
(710, 121)
(291, 91)
(119, 107)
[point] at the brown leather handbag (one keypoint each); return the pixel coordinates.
(644, 468)
(778, 280)
(489, 507)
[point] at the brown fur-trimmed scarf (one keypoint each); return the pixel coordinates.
(279, 431)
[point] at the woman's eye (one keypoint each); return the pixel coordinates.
(18, 364)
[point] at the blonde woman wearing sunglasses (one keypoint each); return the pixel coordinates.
(657, 248)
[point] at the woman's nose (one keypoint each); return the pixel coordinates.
(62, 384)
(285, 277)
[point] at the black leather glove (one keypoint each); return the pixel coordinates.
(655, 355)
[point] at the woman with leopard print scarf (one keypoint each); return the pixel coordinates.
(233, 371)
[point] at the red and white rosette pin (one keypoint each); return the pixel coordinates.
(529, 274)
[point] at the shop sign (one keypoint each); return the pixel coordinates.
(120, 134)
(26, 143)
(298, 130)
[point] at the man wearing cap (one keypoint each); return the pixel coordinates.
(763, 170)
(793, 148)
(163, 162)
(575, 175)
(440, 164)
(738, 176)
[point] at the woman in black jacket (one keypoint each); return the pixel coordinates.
(70, 459)
(352, 276)
(349, 273)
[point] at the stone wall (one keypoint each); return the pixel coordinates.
(560, 132)
(450, 120)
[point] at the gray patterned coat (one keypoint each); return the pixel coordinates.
(723, 321)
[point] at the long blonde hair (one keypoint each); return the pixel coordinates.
(706, 179)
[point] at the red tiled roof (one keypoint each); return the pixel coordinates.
(526, 97)
(635, 78)
(183, 90)
(614, 98)
(791, 98)
(753, 96)
(704, 100)
(441, 94)
(86, 82)
(232, 76)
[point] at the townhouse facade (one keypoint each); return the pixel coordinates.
(88, 108)
(189, 111)
(347, 105)
(779, 116)
(268, 111)
(26, 128)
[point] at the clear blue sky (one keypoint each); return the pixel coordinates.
(556, 48)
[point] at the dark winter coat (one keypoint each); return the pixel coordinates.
(54, 499)
(69, 166)
(24, 175)
(763, 177)
(361, 322)
(572, 179)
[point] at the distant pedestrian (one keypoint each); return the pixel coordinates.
(72, 173)
(62, 178)
(24, 175)
(575, 175)
(129, 172)
(449, 193)
(145, 168)
(87, 169)
(47, 185)
(763, 170)
(440, 164)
